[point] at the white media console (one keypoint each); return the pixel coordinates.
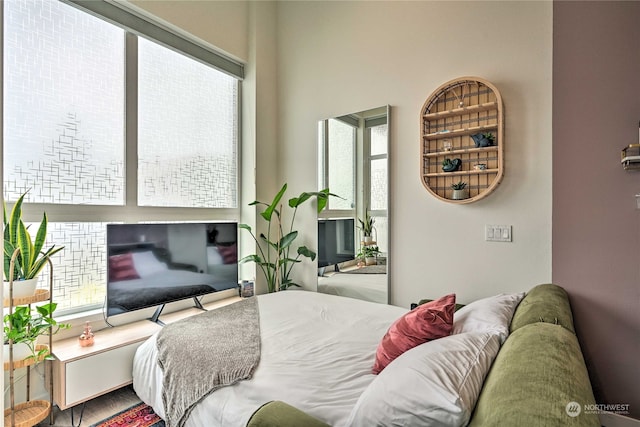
(83, 373)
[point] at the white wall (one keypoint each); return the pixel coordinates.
(340, 57)
(221, 24)
(312, 60)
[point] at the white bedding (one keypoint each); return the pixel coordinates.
(368, 287)
(317, 354)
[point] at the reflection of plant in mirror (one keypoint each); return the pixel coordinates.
(368, 252)
(275, 258)
(366, 224)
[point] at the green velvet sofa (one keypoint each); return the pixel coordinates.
(538, 378)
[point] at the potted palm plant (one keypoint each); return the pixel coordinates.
(275, 258)
(24, 327)
(30, 258)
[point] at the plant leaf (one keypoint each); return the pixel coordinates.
(26, 248)
(286, 241)
(305, 251)
(244, 226)
(15, 220)
(41, 235)
(251, 258)
(272, 207)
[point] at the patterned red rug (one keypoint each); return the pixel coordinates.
(139, 415)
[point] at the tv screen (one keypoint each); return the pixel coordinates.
(336, 241)
(149, 265)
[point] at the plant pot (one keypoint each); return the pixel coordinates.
(368, 239)
(20, 351)
(370, 260)
(21, 288)
(460, 194)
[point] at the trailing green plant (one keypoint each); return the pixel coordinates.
(276, 255)
(460, 185)
(25, 326)
(31, 259)
(366, 224)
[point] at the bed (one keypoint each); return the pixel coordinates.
(318, 352)
(368, 283)
(305, 330)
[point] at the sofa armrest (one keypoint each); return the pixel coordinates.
(534, 381)
(280, 414)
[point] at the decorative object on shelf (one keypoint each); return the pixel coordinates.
(460, 191)
(467, 112)
(275, 259)
(447, 145)
(631, 157)
(366, 225)
(86, 339)
(31, 258)
(483, 139)
(449, 165)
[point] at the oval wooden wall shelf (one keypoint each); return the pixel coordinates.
(454, 112)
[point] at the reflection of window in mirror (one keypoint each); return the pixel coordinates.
(337, 151)
(375, 152)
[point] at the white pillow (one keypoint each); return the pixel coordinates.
(147, 264)
(213, 256)
(434, 384)
(492, 314)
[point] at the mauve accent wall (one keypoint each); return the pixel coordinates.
(596, 226)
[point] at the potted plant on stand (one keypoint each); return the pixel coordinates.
(31, 258)
(460, 191)
(24, 327)
(369, 254)
(366, 225)
(275, 258)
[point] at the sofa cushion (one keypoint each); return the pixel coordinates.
(428, 322)
(537, 374)
(544, 303)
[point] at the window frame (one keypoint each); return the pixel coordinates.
(135, 26)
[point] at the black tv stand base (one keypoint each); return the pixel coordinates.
(156, 315)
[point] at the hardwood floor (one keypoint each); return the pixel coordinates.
(95, 410)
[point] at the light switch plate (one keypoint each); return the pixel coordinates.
(497, 233)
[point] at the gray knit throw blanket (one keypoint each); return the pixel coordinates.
(202, 353)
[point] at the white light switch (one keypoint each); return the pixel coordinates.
(497, 233)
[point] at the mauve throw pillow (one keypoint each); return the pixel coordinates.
(427, 322)
(121, 268)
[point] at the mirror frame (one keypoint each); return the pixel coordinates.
(360, 171)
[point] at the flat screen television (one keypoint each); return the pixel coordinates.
(149, 265)
(336, 241)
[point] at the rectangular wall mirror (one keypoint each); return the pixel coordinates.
(353, 162)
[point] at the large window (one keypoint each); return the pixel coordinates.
(101, 125)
